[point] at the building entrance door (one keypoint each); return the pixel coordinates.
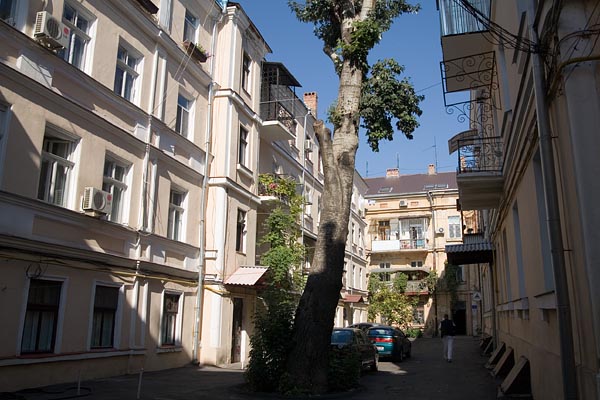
(459, 316)
(236, 334)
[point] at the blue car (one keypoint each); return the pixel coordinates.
(390, 342)
(356, 342)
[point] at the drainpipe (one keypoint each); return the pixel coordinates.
(567, 359)
(203, 199)
(435, 302)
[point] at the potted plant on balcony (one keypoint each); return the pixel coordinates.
(196, 51)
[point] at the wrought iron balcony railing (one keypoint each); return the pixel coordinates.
(416, 287)
(480, 154)
(463, 16)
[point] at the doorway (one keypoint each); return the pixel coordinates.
(236, 331)
(459, 316)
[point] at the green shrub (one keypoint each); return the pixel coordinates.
(414, 332)
(344, 369)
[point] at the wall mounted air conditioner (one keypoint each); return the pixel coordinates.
(308, 146)
(50, 32)
(97, 200)
(403, 203)
(440, 230)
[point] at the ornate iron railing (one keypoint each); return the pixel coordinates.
(480, 154)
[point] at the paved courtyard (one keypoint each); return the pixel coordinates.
(424, 376)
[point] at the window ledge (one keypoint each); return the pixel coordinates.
(242, 169)
(46, 358)
(169, 349)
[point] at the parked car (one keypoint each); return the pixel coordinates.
(357, 341)
(364, 326)
(390, 341)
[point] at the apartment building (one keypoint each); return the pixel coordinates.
(410, 219)
(105, 127)
(524, 76)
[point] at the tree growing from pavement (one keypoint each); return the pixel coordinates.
(375, 98)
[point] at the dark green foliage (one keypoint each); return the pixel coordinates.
(274, 320)
(385, 98)
(344, 369)
(414, 333)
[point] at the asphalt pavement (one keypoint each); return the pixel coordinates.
(426, 375)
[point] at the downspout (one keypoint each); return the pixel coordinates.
(203, 199)
(567, 359)
(435, 302)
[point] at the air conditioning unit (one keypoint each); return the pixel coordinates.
(50, 32)
(308, 146)
(403, 203)
(97, 200)
(440, 230)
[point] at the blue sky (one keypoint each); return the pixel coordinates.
(413, 40)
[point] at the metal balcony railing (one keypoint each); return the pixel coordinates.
(479, 154)
(416, 286)
(456, 17)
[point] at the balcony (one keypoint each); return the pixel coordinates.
(462, 24)
(479, 176)
(278, 103)
(416, 287)
(386, 246)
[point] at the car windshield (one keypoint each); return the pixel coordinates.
(381, 332)
(341, 337)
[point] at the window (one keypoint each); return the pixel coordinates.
(240, 235)
(460, 274)
(353, 233)
(183, 115)
(308, 202)
(106, 300)
(416, 264)
(411, 233)
(80, 36)
(165, 14)
(454, 231)
(190, 28)
(419, 315)
(170, 319)
(126, 74)
(243, 148)
(8, 10)
(385, 276)
(245, 72)
(39, 330)
(383, 230)
(175, 223)
(55, 169)
(115, 175)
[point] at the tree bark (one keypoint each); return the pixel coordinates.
(309, 358)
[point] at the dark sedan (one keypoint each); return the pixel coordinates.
(356, 341)
(390, 341)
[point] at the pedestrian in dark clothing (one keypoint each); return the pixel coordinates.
(447, 329)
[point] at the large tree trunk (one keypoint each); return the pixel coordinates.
(308, 361)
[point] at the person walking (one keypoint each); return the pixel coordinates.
(447, 329)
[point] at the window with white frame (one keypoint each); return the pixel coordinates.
(412, 232)
(416, 264)
(106, 301)
(243, 147)
(115, 182)
(80, 23)
(184, 107)
(190, 28)
(353, 233)
(385, 276)
(170, 330)
(246, 62)
(8, 11)
(176, 211)
(308, 201)
(41, 317)
(56, 168)
(454, 231)
(126, 74)
(240, 231)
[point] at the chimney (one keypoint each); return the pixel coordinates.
(311, 101)
(392, 172)
(431, 169)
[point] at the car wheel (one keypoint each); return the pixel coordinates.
(375, 365)
(400, 357)
(409, 353)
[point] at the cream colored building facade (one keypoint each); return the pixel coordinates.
(129, 164)
(528, 166)
(410, 220)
